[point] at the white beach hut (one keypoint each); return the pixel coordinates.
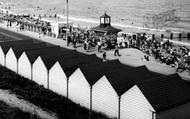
(15, 52)
(82, 80)
(166, 97)
(26, 60)
(62, 69)
(4, 47)
(106, 92)
(41, 69)
(43, 64)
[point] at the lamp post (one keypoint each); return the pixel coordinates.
(67, 27)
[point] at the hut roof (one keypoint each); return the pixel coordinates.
(6, 45)
(94, 72)
(52, 56)
(165, 92)
(18, 50)
(33, 54)
(124, 79)
(69, 65)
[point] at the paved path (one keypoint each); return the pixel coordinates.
(55, 41)
(132, 57)
(25, 106)
(12, 36)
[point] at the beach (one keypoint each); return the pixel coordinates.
(131, 16)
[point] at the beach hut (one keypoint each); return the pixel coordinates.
(43, 64)
(62, 69)
(107, 91)
(4, 47)
(87, 76)
(26, 60)
(166, 97)
(41, 69)
(15, 52)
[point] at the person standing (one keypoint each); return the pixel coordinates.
(99, 45)
(85, 45)
(104, 56)
(88, 45)
(116, 50)
(74, 42)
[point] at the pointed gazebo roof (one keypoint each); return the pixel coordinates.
(105, 15)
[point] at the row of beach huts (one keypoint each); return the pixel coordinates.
(108, 87)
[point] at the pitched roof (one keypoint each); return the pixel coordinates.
(107, 29)
(105, 15)
(50, 59)
(94, 72)
(69, 65)
(6, 45)
(165, 92)
(18, 50)
(124, 79)
(33, 54)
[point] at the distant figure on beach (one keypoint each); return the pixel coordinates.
(116, 53)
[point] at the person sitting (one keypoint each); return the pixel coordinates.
(146, 57)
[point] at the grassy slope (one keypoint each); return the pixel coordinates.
(42, 97)
(7, 112)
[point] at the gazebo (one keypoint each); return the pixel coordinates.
(105, 26)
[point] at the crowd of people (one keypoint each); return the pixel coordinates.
(91, 40)
(163, 51)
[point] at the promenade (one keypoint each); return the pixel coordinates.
(129, 56)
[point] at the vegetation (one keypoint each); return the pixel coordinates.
(7, 112)
(44, 98)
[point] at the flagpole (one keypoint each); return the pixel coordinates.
(67, 27)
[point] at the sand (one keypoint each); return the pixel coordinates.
(167, 15)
